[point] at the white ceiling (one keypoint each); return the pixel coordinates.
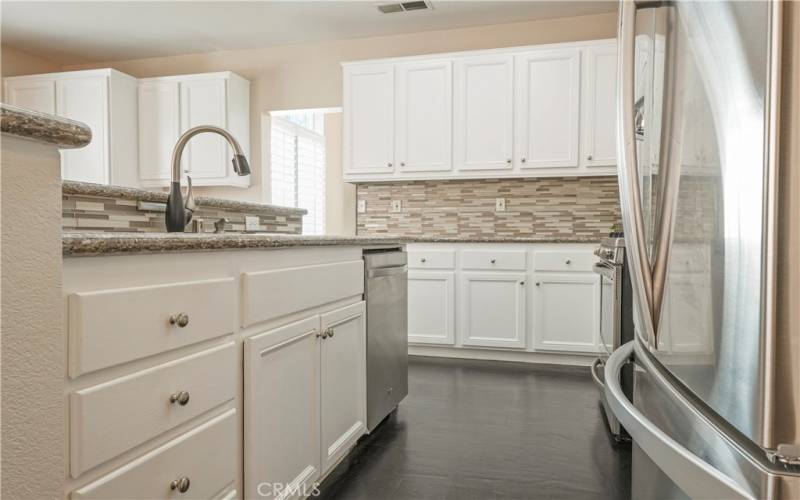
(78, 32)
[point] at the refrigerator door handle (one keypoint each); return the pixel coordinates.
(694, 476)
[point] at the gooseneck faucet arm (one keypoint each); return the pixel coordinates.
(179, 215)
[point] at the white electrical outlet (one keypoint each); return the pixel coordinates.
(362, 206)
(397, 206)
(251, 223)
(500, 205)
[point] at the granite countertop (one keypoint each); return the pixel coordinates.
(97, 244)
(44, 128)
(135, 194)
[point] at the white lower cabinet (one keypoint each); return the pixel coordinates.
(566, 312)
(343, 385)
(493, 309)
(431, 306)
(304, 401)
(281, 408)
(510, 296)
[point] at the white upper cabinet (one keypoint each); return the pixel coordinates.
(538, 111)
(599, 120)
(103, 99)
(548, 104)
(484, 113)
(38, 95)
(424, 106)
(159, 128)
(369, 120)
(169, 106)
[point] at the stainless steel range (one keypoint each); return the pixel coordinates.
(616, 318)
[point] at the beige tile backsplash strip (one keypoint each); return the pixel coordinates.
(553, 206)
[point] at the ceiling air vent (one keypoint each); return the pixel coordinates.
(391, 8)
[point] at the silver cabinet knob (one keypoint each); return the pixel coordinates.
(324, 334)
(181, 484)
(568, 262)
(589, 157)
(492, 260)
(180, 319)
(523, 160)
(522, 283)
(508, 161)
(182, 398)
(389, 164)
(538, 283)
(330, 332)
(402, 164)
(423, 260)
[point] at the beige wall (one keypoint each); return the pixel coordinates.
(340, 197)
(310, 76)
(14, 62)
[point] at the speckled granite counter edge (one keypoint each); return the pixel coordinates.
(42, 127)
(99, 244)
(127, 193)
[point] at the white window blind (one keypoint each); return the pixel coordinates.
(298, 171)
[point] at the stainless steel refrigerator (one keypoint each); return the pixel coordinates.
(712, 416)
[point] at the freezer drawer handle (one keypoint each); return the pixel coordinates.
(694, 476)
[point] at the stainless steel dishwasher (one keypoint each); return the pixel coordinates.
(386, 294)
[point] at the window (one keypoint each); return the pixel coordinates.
(298, 166)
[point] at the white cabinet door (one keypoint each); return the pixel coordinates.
(38, 95)
(566, 312)
(85, 99)
(424, 116)
(159, 127)
(281, 407)
(369, 119)
(547, 120)
(431, 304)
(343, 365)
(484, 113)
(599, 129)
(492, 309)
(202, 102)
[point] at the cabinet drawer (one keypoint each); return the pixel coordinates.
(564, 260)
(496, 260)
(110, 327)
(205, 455)
(272, 294)
(115, 416)
(431, 259)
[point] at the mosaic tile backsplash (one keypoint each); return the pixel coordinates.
(553, 206)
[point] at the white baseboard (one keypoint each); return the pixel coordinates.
(496, 355)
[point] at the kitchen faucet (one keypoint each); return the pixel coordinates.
(179, 215)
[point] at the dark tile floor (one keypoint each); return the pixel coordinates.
(486, 430)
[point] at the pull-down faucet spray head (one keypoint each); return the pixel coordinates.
(178, 215)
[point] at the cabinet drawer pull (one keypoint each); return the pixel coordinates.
(492, 260)
(330, 332)
(538, 283)
(402, 164)
(423, 260)
(508, 161)
(568, 262)
(182, 484)
(389, 164)
(522, 283)
(523, 160)
(589, 157)
(182, 398)
(180, 319)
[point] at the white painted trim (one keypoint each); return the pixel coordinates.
(288, 112)
(543, 358)
(471, 53)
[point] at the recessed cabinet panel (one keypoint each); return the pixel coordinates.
(39, 95)
(203, 103)
(369, 119)
(85, 100)
(159, 127)
(566, 312)
(484, 113)
(281, 407)
(431, 304)
(547, 104)
(492, 309)
(599, 133)
(343, 362)
(424, 116)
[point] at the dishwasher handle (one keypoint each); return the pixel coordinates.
(386, 271)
